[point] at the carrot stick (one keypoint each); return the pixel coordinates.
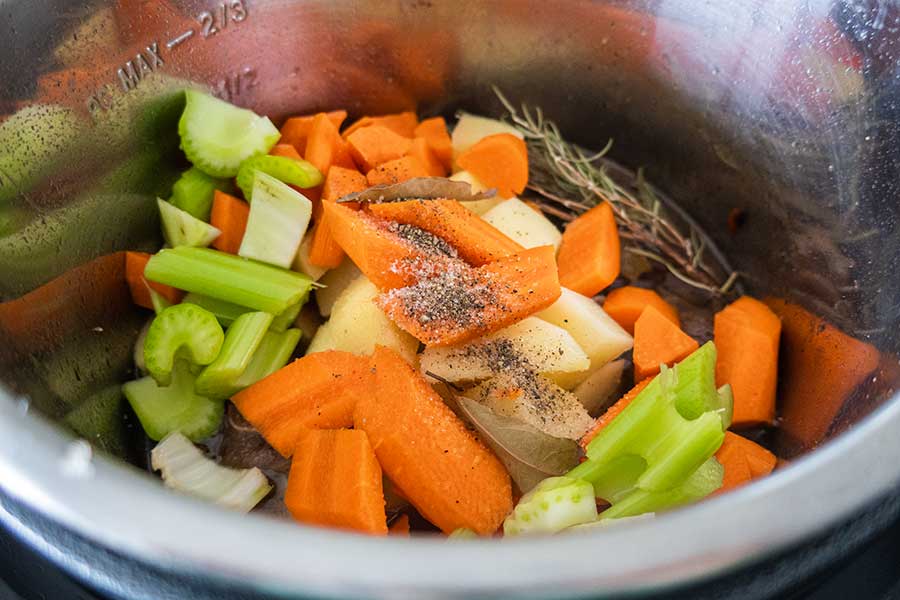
(401, 123)
(477, 241)
(613, 411)
(374, 145)
(499, 161)
(657, 340)
(747, 335)
(325, 251)
(317, 391)
(466, 302)
(335, 481)
(435, 133)
(140, 293)
(229, 215)
(451, 478)
(400, 527)
(743, 460)
(397, 171)
(822, 366)
(589, 258)
(421, 151)
(295, 130)
(626, 304)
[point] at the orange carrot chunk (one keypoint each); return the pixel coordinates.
(317, 391)
(401, 123)
(372, 146)
(335, 481)
(324, 250)
(451, 478)
(743, 460)
(375, 246)
(498, 161)
(325, 146)
(747, 335)
(286, 151)
(435, 133)
(400, 527)
(295, 130)
(423, 153)
(613, 411)
(229, 215)
(462, 302)
(135, 262)
(589, 258)
(397, 171)
(657, 340)
(626, 304)
(477, 241)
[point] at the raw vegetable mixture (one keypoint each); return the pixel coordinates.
(478, 369)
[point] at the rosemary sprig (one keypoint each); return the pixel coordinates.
(568, 182)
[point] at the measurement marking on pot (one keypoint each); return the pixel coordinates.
(143, 64)
(216, 20)
(234, 85)
(180, 39)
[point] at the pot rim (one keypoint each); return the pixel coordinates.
(185, 535)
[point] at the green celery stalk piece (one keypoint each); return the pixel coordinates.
(462, 533)
(194, 192)
(279, 216)
(217, 136)
(274, 352)
(180, 228)
(183, 330)
(289, 170)
(225, 312)
(160, 303)
(726, 405)
(176, 407)
(241, 342)
(554, 504)
(287, 317)
(230, 278)
(704, 481)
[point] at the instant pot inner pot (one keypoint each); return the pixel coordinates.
(763, 120)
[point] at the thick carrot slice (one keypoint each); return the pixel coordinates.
(822, 367)
(589, 255)
(286, 151)
(324, 147)
(423, 153)
(657, 340)
(626, 304)
(613, 411)
(743, 460)
(400, 527)
(462, 302)
(335, 481)
(434, 131)
(295, 130)
(498, 161)
(378, 250)
(747, 335)
(401, 123)
(134, 275)
(451, 478)
(325, 251)
(229, 215)
(397, 171)
(372, 146)
(317, 391)
(477, 241)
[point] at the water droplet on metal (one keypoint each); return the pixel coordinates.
(76, 462)
(22, 406)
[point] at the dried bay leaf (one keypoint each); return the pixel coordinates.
(419, 188)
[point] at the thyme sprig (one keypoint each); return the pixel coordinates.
(568, 181)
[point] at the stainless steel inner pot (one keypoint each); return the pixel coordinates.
(781, 111)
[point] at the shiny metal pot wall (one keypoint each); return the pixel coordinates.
(781, 111)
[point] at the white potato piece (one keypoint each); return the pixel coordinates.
(357, 325)
(523, 224)
(335, 282)
(531, 342)
(595, 331)
(301, 261)
(470, 129)
(479, 207)
(596, 392)
(535, 400)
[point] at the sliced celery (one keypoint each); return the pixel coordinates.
(160, 303)
(225, 312)
(463, 533)
(176, 407)
(274, 352)
(180, 228)
(243, 338)
(287, 317)
(279, 216)
(555, 504)
(289, 170)
(184, 468)
(227, 277)
(194, 192)
(183, 330)
(217, 136)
